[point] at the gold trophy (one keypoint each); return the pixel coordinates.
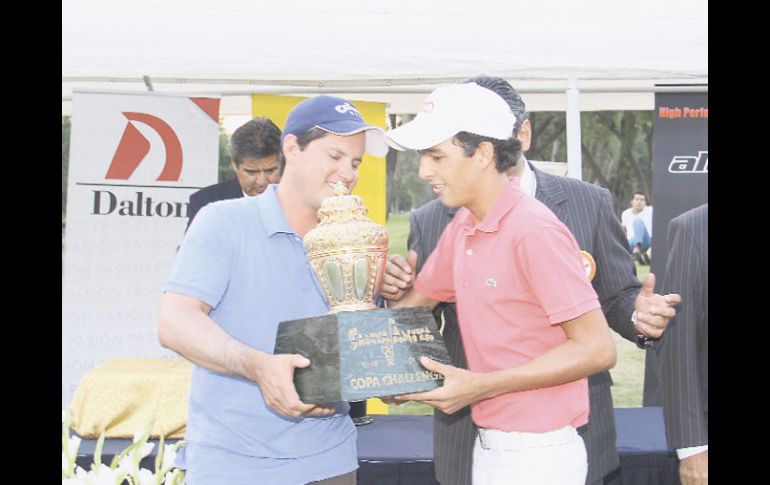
(357, 351)
(348, 252)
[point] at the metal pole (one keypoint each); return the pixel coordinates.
(363, 87)
(574, 155)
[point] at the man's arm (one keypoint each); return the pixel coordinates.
(618, 287)
(185, 327)
(616, 283)
(589, 349)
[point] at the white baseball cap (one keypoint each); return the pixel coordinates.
(451, 109)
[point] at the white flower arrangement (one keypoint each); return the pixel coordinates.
(125, 465)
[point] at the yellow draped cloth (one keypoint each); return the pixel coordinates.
(122, 396)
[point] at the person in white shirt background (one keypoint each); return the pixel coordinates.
(637, 221)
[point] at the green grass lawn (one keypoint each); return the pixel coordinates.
(628, 373)
(398, 232)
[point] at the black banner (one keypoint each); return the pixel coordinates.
(679, 182)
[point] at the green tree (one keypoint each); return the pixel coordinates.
(617, 152)
(405, 190)
(391, 162)
(549, 136)
(616, 148)
(224, 172)
(410, 191)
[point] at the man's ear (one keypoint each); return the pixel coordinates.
(290, 147)
(233, 165)
(485, 153)
(525, 135)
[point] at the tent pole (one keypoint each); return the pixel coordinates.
(574, 155)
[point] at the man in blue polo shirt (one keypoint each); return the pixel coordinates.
(241, 270)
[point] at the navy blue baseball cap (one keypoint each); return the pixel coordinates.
(337, 116)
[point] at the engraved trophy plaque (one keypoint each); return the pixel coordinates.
(357, 351)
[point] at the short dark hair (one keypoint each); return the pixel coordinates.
(255, 139)
(507, 152)
(503, 88)
(636, 192)
(303, 141)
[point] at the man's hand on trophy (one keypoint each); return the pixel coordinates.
(461, 388)
(399, 276)
(275, 374)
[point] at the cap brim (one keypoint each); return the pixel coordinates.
(419, 134)
(375, 136)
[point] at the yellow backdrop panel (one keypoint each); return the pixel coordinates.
(371, 175)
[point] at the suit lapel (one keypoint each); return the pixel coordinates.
(234, 189)
(551, 193)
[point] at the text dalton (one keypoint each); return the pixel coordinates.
(105, 202)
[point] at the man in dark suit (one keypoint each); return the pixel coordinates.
(683, 353)
(587, 211)
(254, 150)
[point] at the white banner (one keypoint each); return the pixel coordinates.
(134, 161)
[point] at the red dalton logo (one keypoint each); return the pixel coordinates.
(132, 150)
(690, 164)
(134, 147)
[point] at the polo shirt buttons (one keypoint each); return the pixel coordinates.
(469, 251)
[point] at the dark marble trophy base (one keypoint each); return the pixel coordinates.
(363, 354)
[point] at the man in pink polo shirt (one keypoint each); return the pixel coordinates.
(531, 322)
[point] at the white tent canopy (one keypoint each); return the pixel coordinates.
(393, 51)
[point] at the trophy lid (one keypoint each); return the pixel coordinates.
(349, 215)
